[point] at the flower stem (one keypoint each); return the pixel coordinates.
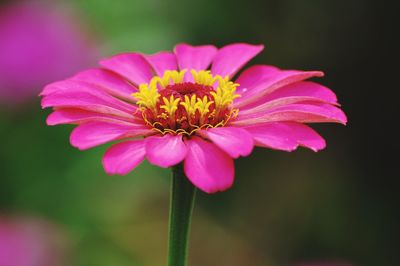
(181, 208)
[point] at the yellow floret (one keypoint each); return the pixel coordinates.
(189, 104)
(225, 93)
(171, 77)
(170, 105)
(203, 77)
(147, 96)
(165, 119)
(203, 105)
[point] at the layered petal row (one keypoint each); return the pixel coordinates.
(272, 110)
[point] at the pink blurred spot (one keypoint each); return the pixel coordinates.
(30, 242)
(38, 45)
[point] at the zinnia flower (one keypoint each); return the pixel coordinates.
(185, 106)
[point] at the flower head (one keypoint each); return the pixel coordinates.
(171, 105)
(185, 106)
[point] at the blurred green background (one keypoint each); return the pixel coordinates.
(340, 204)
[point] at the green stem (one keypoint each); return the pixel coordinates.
(181, 208)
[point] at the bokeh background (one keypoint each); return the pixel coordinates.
(57, 207)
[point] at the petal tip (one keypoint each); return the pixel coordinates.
(260, 46)
(110, 170)
(158, 150)
(318, 148)
(216, 190)
(342, 118)
(76, 142)
(50, 121)
(208, 167)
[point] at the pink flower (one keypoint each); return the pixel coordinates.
(38, 45)
(169, 108)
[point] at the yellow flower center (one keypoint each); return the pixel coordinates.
(171, 105)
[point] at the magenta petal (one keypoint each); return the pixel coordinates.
(231, 58)
(304, 113)
(232, 140)
(162, 61)
(253, 76)
(286, 136)
(303, 91)
(207, 167)
(123, 157)
(92, 134)
(107, 81)
(79, 91)
(165, 151)
(78, 116)
(258, 81)
(72, 93)
(307, 137)
(273, 135)
(194, 57)
(86, 103)
(131, 66)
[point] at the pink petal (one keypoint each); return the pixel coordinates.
(278, 103)
(78, 116)
(72, 93)
(286, 136)
(162, 61)
(207, 167)
(307, 89)
(70, 86)
(231, 58)
(253, 76)
(165, 151)
(232, 140)
(258, 81)
(123, 157)
(194, 57)
(305, 113)
(273, 135)
(92, 134)
(107, 81)
(293, 93)
(307, 137)
(132, 66)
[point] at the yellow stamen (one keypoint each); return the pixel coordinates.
(203, 105)
(147, 96)
(220, 94)
(225, 93)
(170, 106)
(171, 77)
(203, 77)
(190, 105)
